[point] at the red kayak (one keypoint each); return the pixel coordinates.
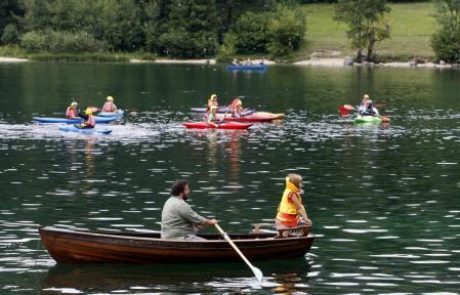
(254, 117)
(226, 125)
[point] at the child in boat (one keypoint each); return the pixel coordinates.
(370, 110)
(109, 106)
(236, 107)
(291, 213)
(89, 119)
(212, 101)
(212, 117)
(72, 110)
(363, 106)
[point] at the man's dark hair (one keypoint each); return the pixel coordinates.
(178, 187)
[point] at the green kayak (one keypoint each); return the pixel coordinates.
(367, 119)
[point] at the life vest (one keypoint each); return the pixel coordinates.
(71, 113)
(287, 209)
(91, 121)
(108, 107)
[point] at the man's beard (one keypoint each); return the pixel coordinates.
(185, 197)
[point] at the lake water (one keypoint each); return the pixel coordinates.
(384, 199)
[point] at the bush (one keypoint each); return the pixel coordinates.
(227, 50)
(34, 42)
(61, 42)
(10, 34)
(286, 31)
(251, 33)
(446, 45)
(181, 44)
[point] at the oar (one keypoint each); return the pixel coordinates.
(257, 272)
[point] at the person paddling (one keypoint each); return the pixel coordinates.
(363, 106)
(89, 119)
(291, 213)
(109, 106)
(370, 110)
(72, 110)
(236, 107)
(212, 102)
(178, 220)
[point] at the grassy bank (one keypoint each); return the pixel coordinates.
(15, 51)
(411, 28)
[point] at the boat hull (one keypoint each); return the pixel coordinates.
(206, 125)
(73, 246)
(118, 114)
(221, 110)
(71, 121)
(253, 117)
(246, 67)
(95, 130)
(367, 120)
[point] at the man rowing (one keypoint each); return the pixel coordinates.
(178, 220)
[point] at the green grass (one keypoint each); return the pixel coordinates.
(16, 51)
(411, 28)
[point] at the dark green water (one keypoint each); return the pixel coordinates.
(384, 199)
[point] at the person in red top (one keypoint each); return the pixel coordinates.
(72, 110)
(89, 119)
(109, 106)
(291, 213)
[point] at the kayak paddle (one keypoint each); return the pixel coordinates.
(345, 109)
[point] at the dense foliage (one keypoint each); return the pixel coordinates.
(446, 42)
(367, 24)
(175, 28)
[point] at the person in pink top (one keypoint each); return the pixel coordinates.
(89, 120)
(109, 106)
(72, 110)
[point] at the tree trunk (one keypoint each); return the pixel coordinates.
(359, 56)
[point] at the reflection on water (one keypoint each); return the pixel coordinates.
(383, 198)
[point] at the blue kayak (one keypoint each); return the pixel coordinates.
(95, 130)
(255, 67)
(117, 114)
(71, 121)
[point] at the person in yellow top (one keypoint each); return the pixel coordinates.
(291, 212)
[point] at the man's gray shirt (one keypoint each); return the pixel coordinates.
(178, 219)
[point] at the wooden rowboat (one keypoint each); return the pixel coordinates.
(79, 246)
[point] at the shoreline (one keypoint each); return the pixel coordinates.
(314, 62)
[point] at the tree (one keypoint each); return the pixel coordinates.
(191, 29)
(367, 23)
(10, 11)
(446, 42)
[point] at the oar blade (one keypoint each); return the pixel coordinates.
(345, 109)
(258, 274)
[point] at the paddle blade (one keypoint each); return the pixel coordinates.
(385, 119)
(258, 274)
(345, 109)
